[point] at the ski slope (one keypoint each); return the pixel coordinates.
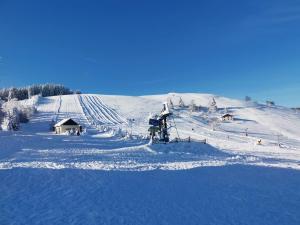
(97, 113)
(116, 127)
(112, 175)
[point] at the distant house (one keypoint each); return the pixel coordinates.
(67, 125)
(270, 103)
(227, 117)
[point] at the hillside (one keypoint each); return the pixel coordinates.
(111, 174)
(107, 119)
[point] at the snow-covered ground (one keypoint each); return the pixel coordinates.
(102, 177)
(107, 117)
(209, 195)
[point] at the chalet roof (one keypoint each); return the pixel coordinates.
(67, 121)
(227, 115)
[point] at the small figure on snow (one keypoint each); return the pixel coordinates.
(259, 142)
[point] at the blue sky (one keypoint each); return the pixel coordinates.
(232, 48)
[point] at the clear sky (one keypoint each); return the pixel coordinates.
(232, 48)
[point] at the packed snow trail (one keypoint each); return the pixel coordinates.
(98, 113)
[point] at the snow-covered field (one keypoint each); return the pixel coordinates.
(102, 177)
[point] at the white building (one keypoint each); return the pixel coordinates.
(67, 125)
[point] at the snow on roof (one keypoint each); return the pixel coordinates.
(227, 115)
(64, 121)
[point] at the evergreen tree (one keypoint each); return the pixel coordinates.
(10, 95)
(170, 103)
(192, 106)
(29, 92)
(213, 105)
(1, 114)
(248, 99)
(181, 103)
(11, 120)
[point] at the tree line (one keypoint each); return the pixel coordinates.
(13, 112)
(7, 94)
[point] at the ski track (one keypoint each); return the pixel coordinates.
(99, 113)
(114, 115)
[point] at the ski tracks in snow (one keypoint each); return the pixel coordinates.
(97, 113)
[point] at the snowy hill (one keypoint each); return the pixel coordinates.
(108, 119)
(112, 175)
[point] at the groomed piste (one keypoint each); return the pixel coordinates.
(246, 172)
(116, 135)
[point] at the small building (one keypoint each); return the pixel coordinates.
(67, 125)
(227, 117)
(270, 103)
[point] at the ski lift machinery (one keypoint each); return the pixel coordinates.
(159, 125)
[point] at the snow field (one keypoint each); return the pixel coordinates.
(100, 148)
(102, 177)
